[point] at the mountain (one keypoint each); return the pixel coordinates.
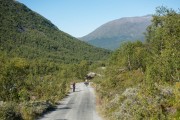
(111, 34)
(27, 34)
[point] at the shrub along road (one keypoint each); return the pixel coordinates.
(79, 105)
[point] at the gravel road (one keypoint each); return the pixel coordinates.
(78, 105)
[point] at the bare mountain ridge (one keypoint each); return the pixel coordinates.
(111, 34)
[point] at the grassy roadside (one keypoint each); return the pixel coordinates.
(132, 99)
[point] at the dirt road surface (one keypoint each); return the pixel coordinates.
(78, 105)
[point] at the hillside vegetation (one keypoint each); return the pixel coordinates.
(37, 62)
(142, 80)
(27, 34)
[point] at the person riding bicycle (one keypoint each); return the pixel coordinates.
(86, 82)
(74, 86)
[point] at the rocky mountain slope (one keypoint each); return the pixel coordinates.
(111, 34)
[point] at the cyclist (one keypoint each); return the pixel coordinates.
(74, 86)
(86, 82)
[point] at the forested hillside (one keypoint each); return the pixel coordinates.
(37, 62)
(142, 80)
(27, 34)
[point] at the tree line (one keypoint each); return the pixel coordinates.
(144, 77)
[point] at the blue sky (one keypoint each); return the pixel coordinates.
(80, 17)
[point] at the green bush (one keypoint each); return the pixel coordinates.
(10, 111)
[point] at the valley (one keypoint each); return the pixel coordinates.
(135, 71)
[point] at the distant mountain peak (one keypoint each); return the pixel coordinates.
(111, 34)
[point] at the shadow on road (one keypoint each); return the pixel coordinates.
(60, 119)
(49, 110)
(63, 108)
(78, 90)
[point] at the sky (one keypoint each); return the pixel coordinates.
(80, 17)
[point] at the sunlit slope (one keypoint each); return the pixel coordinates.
(28, 34)
(113, 33)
